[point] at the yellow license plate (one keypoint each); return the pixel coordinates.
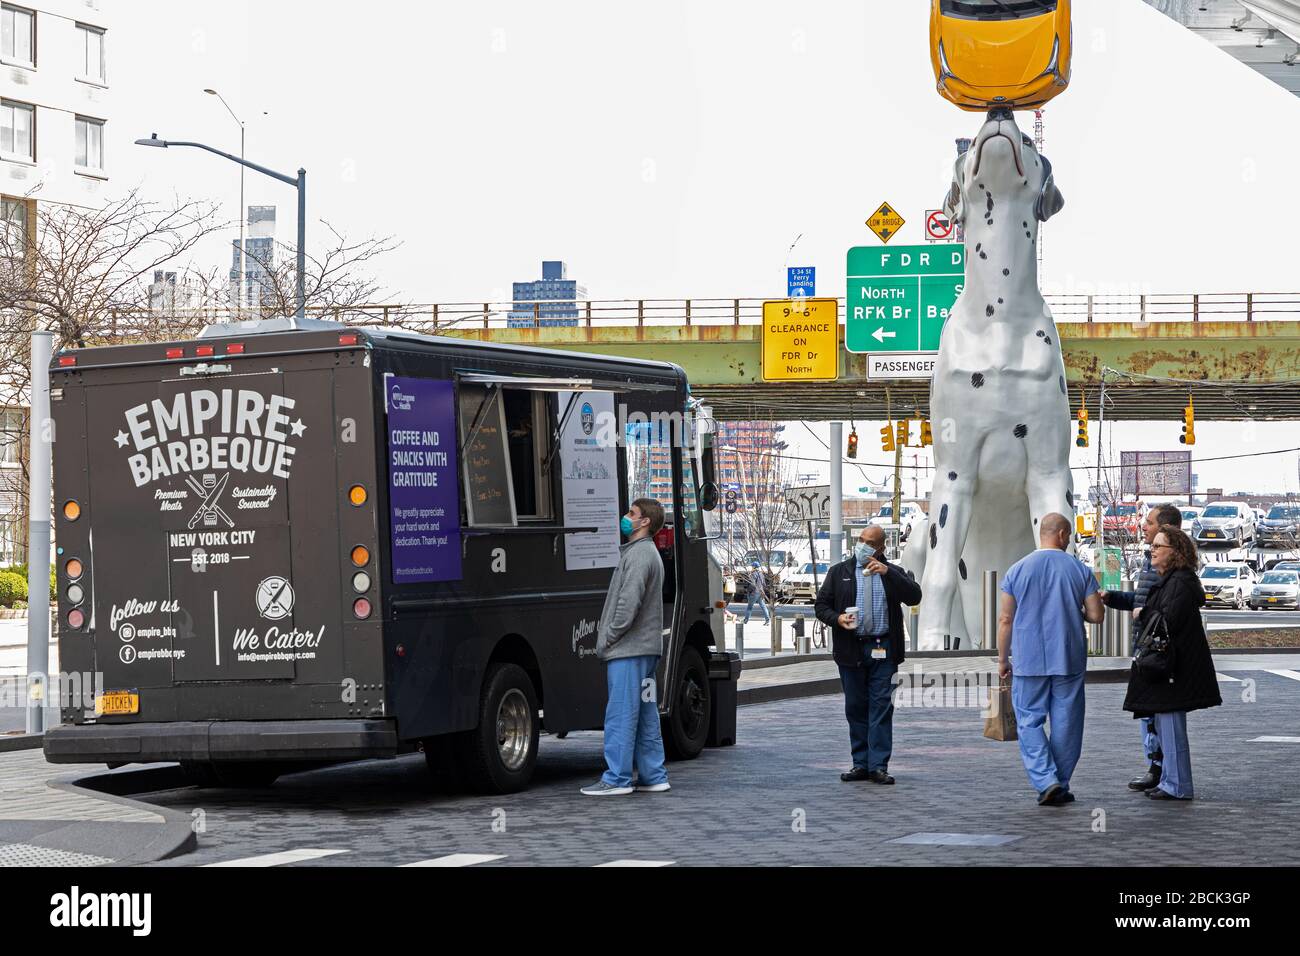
(1211, 534)
(1272, 600)
(118, 702)
(1210, 597)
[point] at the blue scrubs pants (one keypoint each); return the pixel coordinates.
(1150, 739)
(1038, 702)
(1176, 770)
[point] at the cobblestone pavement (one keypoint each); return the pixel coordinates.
(776, 799)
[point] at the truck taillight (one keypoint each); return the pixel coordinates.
(71, 510)
(361, 555)
(349, 338)
(175, 353)
(360, 608)
(76, 594)
(361, 582)
(73, 569)
(76, 619)
(67, 360)
(357, 495)
(205, 351)
(235, 348)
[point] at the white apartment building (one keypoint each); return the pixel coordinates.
(55, 75)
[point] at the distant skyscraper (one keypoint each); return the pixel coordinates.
(549, 301)
(259, 259)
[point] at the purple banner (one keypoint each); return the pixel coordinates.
(423, 500)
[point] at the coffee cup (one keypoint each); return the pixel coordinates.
(851, 613)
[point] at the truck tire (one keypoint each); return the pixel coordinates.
(687, 728)
(498, 756)
(199, 773)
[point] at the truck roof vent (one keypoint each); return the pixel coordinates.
(221, 330)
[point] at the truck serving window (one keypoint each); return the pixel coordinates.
(506, 434)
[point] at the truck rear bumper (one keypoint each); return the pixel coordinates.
(222, 740)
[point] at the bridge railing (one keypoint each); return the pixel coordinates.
(1067, 308)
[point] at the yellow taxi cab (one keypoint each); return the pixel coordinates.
(1000, 53)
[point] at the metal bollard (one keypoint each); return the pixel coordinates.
(740, 640)
(1125, 645)
(989, 613)
(802, 640)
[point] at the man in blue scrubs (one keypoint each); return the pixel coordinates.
(1046, 597)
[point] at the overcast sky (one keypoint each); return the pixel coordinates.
(677, 149)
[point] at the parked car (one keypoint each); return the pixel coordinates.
(1123, 519)
(1000, 53)
(909, 511)
(1281, 526)
(1229, 585)
(1226, 522)
(1277, 589)
(1285, 566)
(801, 585)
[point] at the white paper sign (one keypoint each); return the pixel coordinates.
(589, 485)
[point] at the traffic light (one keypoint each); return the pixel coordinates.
(853, 444)
(887, 437)
(1082, 439)
(1188, 437)
(927, 436)
(902, 434)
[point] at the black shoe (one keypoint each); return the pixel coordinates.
(1051, 796)
(1148, 780)
(855, 775)
(1065, 797)
(880, 776)
(1158, 794)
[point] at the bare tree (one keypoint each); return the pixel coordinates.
(763, 524)
(340, 282)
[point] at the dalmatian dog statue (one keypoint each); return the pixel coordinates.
(998, 397)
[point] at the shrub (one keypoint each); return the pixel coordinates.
(13, 588)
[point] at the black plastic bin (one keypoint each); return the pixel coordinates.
(724, 673)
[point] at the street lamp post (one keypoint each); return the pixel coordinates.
(243, 211)
(299, 182)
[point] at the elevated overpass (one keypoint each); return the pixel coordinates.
(1237, 354)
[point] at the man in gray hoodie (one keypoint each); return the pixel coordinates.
(630, 642)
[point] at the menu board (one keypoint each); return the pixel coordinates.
(589, 461)
(422, 499)
(489, 492)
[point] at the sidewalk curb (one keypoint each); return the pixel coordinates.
(174, 837)
(16, 742)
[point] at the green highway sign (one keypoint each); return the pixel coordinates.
(898, 299)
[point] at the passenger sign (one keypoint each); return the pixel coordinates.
(801, 340)
(897, 300)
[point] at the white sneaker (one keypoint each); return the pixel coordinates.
(603, 789)
(653, 787)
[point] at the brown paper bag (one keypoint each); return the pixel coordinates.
(1000, 718)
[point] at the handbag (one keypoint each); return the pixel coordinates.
(1154, 655)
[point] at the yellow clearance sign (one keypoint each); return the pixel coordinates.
(801, 340)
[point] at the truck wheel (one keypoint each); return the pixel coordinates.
(687, 727)
(234, 773)
(498, 756)
(199, 773)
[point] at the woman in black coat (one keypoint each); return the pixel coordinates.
(1179, 596)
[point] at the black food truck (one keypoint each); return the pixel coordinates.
(284, 545)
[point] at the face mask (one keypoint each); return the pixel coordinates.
(863, 552)
(625, 526)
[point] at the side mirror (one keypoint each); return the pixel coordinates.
(709, 496)
(708, 467)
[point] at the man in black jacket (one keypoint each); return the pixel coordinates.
(861, 601)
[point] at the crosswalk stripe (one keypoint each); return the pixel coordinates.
(1276, 740)
(1294, 675)
(1221, 678)
(636, 863)
(459, 859)
(278, 859)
